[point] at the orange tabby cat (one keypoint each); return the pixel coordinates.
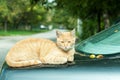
(37, 51)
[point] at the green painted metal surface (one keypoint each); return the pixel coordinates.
(105, 42)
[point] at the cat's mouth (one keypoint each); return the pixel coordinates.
(66, 49)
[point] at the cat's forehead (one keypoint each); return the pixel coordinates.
(66, 36)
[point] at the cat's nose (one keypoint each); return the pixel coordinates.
(66, 47)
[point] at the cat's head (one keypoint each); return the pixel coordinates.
(66, 40)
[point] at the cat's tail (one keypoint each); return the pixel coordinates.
(25, 63)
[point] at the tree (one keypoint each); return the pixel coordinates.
(4, 11)
(9, 11)
(99, 11)
(25, 12)
(62, 18)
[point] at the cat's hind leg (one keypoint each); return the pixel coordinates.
(22, 63)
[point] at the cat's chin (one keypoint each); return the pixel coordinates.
(66, 50)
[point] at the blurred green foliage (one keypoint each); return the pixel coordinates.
(20, 32)
(21, 12)
(63, 19)
(30, 14)
(96, 15)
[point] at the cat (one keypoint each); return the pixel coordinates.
(33, 51)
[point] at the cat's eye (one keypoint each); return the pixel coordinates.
(69, 41)
(62, 41)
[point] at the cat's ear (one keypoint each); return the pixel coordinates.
(73, 32)
(58, 33)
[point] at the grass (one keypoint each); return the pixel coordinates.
(19, 32)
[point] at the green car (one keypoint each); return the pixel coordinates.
(97, 58)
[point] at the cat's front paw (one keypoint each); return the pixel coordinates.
(37, 62)
(71, 59)
(60, 60)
